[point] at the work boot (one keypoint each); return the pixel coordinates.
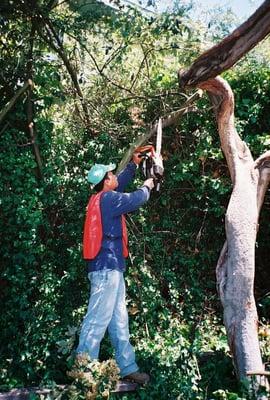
(139, 377)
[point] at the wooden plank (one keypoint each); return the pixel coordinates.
(24, 393)
(263, 373)
(125, 386)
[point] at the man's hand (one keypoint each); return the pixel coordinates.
(137, 159)
(149, 183)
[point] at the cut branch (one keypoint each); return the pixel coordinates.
(225, 54)
(166, 121)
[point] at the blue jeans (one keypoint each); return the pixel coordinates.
(107, 309)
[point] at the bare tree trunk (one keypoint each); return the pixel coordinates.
(236, 265)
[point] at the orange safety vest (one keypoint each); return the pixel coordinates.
(92, 234)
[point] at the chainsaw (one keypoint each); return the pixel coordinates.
(152, 165)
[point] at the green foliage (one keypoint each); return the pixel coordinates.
(127, 65)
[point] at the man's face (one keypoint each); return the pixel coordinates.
(111, 181)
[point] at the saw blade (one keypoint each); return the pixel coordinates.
(159, 137)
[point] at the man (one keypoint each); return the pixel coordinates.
(105, 249)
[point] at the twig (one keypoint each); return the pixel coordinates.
(141, 66)
(113, 55)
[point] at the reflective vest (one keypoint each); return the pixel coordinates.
(92, 234)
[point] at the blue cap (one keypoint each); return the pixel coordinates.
(98, 171)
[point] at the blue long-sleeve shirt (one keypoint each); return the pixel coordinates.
(113, 204)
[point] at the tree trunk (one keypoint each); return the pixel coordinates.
(236, 265)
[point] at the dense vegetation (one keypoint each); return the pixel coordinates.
(101, 76)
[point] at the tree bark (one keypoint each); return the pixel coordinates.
(236, 265)
(225, 54)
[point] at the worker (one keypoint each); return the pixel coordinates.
(105, 248)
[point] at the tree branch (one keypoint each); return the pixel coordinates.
(222, 98)
(53, 41)
(145, 54)
(166, 121)
(225, 54)
(14, 99)
(113, 55)
(264, 158)
(100, 69)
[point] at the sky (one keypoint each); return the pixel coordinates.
(242, 8)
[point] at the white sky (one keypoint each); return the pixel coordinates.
(242, 8)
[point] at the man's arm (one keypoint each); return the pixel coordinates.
(127, 175)
(122, 203)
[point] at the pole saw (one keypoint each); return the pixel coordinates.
(152, 165)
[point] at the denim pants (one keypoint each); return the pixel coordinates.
(107, 309)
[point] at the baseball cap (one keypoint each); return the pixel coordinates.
(98, 171)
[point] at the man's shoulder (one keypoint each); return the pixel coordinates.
(110, 195)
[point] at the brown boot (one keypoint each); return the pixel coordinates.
(138, 377)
